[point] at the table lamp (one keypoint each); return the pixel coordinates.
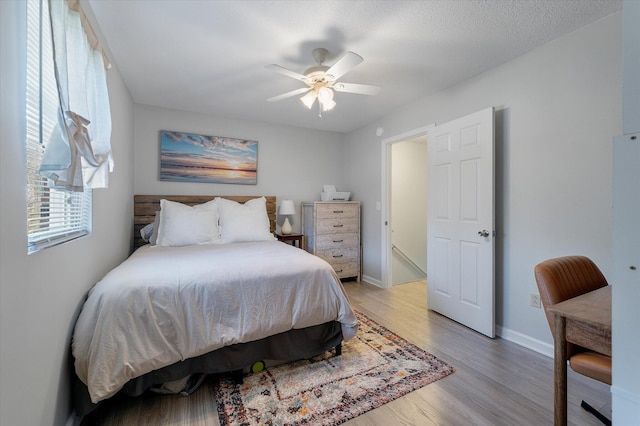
(286, 209)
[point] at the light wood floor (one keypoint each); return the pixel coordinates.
(496, 382)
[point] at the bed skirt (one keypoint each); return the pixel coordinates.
(292, 345)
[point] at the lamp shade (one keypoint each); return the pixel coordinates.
(309, 99)
(287, 208)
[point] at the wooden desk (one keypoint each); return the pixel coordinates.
(586, 321)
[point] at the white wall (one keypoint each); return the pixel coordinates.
(626, 234)
(38, 308)
(556, 111)
(293, 163)
(631, 100)
(409, 208)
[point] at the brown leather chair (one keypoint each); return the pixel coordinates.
(563, 278)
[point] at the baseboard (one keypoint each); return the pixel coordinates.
(528, 342)
(373, 281)
(626, 406)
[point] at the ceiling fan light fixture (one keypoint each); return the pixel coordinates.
(309, 98)
(325, 97)
(328, 105)
(321, 81)
(325, 94)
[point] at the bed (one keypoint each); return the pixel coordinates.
(202, 299)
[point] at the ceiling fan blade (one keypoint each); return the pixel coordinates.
(289, 94)
(348, 61)
(287, 72)
(361, 89)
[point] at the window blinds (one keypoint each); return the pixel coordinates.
(53, 216)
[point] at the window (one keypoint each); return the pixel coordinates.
(53, 216)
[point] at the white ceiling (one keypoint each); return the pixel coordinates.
(210, 56)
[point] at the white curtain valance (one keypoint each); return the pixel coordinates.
(78, 154)
(92, 38)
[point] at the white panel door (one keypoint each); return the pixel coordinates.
(460, 228)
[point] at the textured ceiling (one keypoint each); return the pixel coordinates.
(210, 56)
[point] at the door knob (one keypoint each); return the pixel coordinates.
(483, 233)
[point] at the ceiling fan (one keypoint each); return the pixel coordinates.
(322, 80)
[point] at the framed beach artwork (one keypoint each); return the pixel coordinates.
(187, 157)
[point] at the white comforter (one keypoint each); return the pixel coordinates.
(167, 304)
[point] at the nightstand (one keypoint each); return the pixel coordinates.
(293, 239)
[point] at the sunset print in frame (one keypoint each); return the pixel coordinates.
(187, 157)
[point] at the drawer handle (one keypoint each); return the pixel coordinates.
(338, 211)
(338, 226)
(338, 255)
(338, 271)
(338, 241)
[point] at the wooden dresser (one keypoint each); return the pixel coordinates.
(332, 232)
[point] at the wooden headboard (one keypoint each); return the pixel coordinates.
(146, 206)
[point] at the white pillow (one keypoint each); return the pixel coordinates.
(244, 222)
(182, 225)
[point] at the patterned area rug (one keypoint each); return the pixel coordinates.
(375, 367)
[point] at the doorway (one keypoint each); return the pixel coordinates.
(409, 210)
(404, 208)
(461, 232)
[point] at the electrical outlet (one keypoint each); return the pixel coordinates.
(535, 300)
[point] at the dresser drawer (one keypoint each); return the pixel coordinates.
(346, 270)
(339, 225)
(337, 210)
(337, 241)
(339, 255)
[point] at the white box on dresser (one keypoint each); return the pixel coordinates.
(332, 232)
